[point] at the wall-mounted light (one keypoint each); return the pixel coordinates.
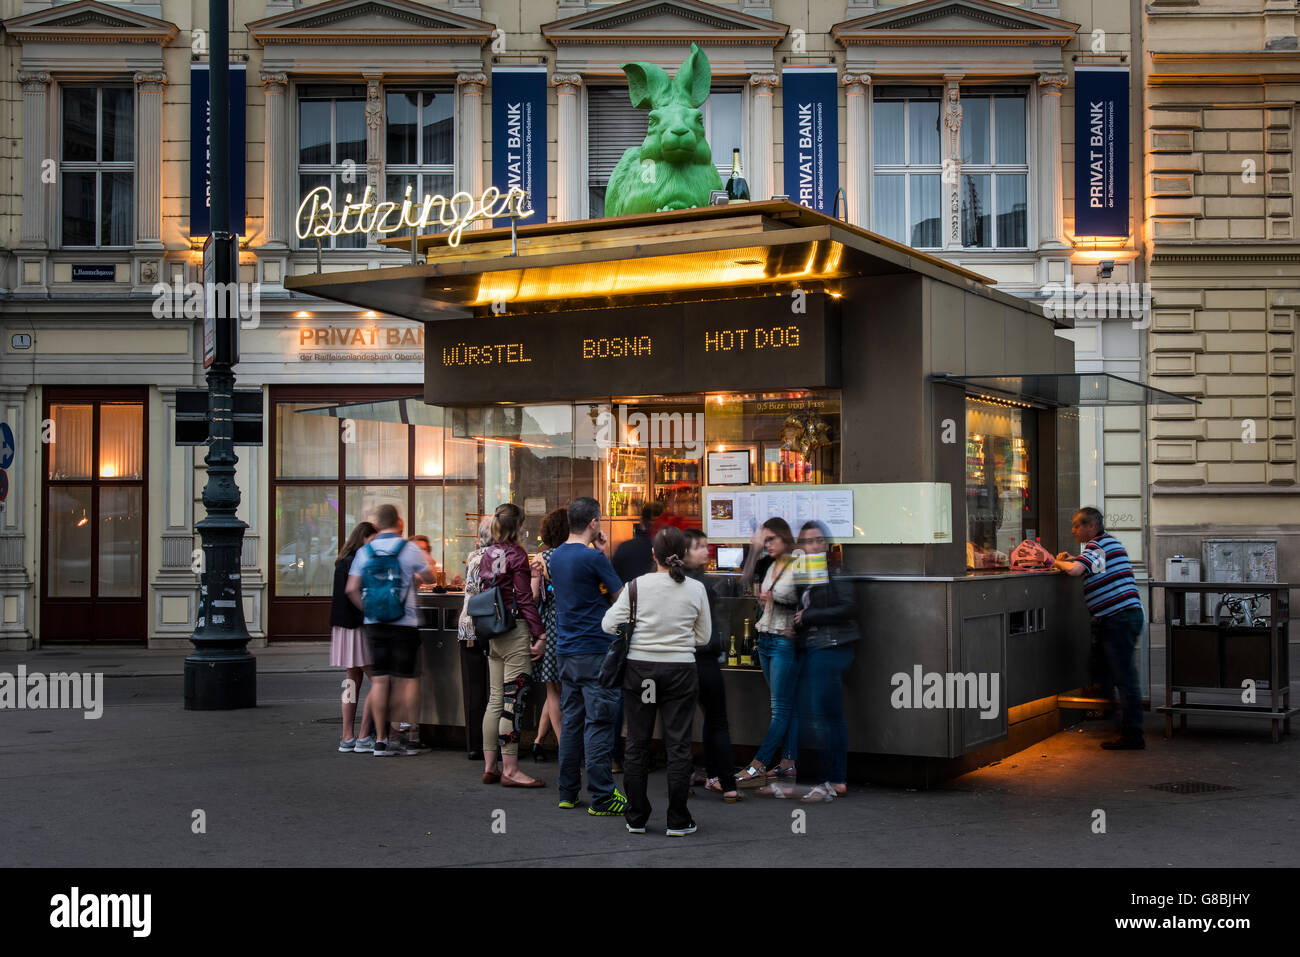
(1105, 268)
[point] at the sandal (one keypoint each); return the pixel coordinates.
(698, 778)
(780, 773)
(752, 775)
(776, 791)
(821, 794)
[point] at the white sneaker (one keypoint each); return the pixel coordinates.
(681, 831)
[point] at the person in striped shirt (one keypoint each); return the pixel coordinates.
(1111, 595)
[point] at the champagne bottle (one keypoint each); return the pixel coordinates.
(732, 660)
(737, 188)
(746, 648)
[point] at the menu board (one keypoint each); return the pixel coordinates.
(651, 350)
(738, 514)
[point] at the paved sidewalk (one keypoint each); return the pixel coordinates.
(123, 790)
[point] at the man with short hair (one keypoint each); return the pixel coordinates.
(1111, 594)
(395, 644)
(634, 557)
(585, 584)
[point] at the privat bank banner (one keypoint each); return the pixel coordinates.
(519, 135)
(201, 149)
(1101, 197)
(812, 167)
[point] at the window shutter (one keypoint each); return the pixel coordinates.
(613, 125)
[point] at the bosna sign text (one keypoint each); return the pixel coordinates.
(318, 217)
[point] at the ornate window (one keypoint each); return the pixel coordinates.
(97, 166)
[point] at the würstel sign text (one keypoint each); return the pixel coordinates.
(317, 216)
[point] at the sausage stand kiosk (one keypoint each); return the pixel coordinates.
(736, 362)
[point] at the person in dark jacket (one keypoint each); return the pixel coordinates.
(348, 643)
(713, 693)
(826, 623)
(504, 565)
(634, 557)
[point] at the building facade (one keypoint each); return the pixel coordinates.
(1225, 275)
(954, 126)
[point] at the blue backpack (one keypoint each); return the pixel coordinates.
(382, 597)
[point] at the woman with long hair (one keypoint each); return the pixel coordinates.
(555, 532)
(348, 643)
(504, 565)
(777, 653)
(473, 652)
(827, 622)
(672, 621)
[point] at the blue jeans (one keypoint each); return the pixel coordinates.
(821, 705)
(587, 727)
(781, 664)
(1118, 636)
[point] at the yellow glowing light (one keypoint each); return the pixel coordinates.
(304, 315)
(370, 314)
(632, 276)
(107, 471)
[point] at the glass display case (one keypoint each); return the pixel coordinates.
(1001, 453)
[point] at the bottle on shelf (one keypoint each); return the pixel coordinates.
(732, 658)
(747, 648)
(737, 188)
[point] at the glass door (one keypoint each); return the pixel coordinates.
(94, 504)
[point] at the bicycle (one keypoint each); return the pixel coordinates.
(1240, 611)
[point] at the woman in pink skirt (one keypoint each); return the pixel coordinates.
(348, 644)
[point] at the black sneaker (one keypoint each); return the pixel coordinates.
(413, 746)
(681, 831)
(386, 749)
(612, 806)
(1123, 743)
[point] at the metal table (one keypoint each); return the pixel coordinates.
(1213, 659)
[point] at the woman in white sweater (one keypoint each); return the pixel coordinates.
(672, 619)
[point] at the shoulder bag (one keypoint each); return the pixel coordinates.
(614, 667)
(492, 618)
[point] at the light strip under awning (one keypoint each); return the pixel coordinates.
(1069, 389)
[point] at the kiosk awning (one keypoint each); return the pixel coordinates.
(1069, 389)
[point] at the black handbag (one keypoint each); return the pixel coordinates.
(491, 617)
(614, 667)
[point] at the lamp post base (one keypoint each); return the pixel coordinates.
(220, 683)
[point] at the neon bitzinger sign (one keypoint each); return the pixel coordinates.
(317, 216)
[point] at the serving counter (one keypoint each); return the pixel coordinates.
(1021, 637)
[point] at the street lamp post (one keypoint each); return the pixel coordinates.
(221, 675)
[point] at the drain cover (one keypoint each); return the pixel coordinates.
(1190, 787)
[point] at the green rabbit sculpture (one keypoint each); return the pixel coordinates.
(673, 168)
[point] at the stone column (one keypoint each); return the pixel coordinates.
(762, 166)
(148, 158)
(36, 115)
(374, 150)
(471, 93)
(1051, 205)
(857, 180)
(951, 179)
(568, 153)
(276, 162)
